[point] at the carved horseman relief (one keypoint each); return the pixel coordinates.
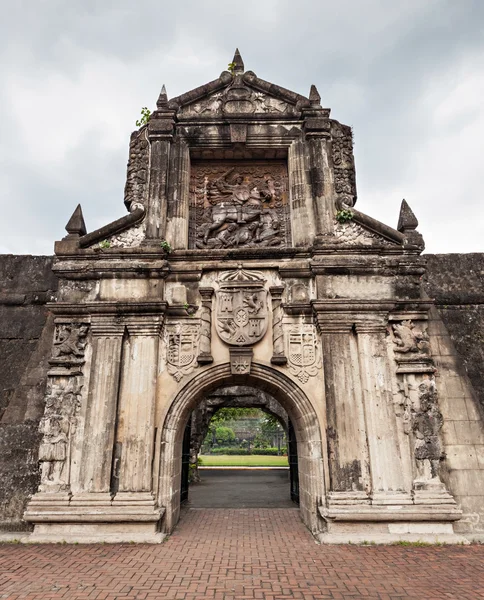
(242, 313)
(245, 205)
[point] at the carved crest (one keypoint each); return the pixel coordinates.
(182, 348)
(241, 313)
(303, 352)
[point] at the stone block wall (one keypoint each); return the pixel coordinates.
(456, 328)
(26, 284)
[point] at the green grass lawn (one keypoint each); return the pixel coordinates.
(222, 460)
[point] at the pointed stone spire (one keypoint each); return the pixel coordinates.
(162, 101)
(407, 221)
(238, 63)
(75, 226)
(314, 96)
(407, 224)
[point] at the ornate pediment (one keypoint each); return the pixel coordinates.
(238, 93)
(238, 100)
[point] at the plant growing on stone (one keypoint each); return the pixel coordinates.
(344, 215)
(145, 117)
(166, 246)
(231, 67)
(105, 244)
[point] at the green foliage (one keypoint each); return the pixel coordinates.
(145, 117)
(237, 450)
(344, 215)
(231, 67)
(234, 414)
(224, 435)
(166, 246)
(105, 244)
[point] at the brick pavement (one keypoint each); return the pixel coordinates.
(228, 554)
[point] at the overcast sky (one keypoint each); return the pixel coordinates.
(407, 75)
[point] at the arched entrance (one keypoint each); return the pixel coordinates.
(307, 431)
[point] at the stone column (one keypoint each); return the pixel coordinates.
(387, 478)
(156, 217)
(302, 212)
(100, 421)
(178, 196)
(323, 186)
(205, 355)
(278, 351)
(346, 429)
(136, 414)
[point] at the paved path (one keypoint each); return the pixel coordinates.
(223, 554)
(241, 488)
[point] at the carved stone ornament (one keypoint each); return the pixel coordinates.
(240, 360)
(303, 351)
(182, 341)
(242, 315)
(58, 425)
(427, 423)
(353, 234)
(408, 339)
(240, 206)
(69, 343)
(344, 165)
(235, 100)
(138, 167)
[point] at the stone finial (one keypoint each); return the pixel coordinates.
(162, 101)
(314, 96)
(407, 221)
(407, 224)
(238, 63)
(76, 226)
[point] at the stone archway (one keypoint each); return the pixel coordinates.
(293, 400)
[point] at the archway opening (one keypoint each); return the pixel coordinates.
(307, 432)
(236, 452)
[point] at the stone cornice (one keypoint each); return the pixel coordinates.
(118, 309)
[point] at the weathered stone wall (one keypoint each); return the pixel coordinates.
(456, 282)
(27, 283)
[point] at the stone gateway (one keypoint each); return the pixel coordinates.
(243, 264)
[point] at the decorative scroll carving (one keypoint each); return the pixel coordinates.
(138, 165)
(205, 355)
(409, 339)
(241, 206)
(343, 162)
(278, 350)
(303, 351)
(182, 340)
(237, 99)
(353, 234)
(242, 312)
(130, 237)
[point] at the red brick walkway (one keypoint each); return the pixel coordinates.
(240, 554)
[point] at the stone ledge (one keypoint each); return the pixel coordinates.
(410, 513)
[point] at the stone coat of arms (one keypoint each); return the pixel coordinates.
(303, 355)
(241, 312)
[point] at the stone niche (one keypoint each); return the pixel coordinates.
(239, 204)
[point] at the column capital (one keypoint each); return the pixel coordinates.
(277, 291)
(148, 326)
(206, 293)
(105, 326)
(371, 326)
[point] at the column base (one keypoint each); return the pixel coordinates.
(94, 517)
(386, 522)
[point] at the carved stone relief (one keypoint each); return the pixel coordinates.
(182, 341)
(62, 404)
(408, 338)
(241, 312)
(245, 205)
(237, 99)
(138, 166)
(343, 162)
(427, 423)
(303, 354)
(353, 234)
